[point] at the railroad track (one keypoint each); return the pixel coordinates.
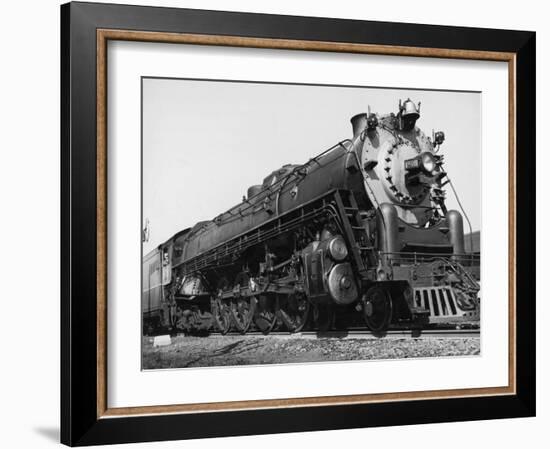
(359, 333)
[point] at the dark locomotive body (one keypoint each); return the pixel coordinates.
(359, 232)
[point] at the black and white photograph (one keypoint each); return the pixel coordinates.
(300, 223)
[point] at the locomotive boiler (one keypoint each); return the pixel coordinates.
(359, 233)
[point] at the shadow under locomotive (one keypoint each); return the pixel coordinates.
(357, 234)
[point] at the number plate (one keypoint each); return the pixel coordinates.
(412, 164)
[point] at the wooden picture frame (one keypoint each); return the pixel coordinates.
(86, 29)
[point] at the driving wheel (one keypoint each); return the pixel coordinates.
(222, 315)
(242, 312)
(294, 311)
(265, 315)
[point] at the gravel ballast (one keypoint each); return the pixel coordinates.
(190, 351)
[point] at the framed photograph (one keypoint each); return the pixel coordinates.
(283, 224)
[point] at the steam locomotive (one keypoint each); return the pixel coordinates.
(358, 234)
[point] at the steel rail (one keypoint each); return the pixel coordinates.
(358, 333)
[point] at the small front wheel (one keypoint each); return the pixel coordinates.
(377, 309)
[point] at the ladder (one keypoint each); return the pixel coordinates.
(355, 231)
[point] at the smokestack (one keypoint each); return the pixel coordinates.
(358, 123)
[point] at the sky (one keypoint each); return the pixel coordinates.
(206, 141)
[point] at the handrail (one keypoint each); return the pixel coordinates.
(425, 256)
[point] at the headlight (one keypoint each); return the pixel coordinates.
(428, 162)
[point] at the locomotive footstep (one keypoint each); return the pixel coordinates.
(162, 340)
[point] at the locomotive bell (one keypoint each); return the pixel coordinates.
(410, 111)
